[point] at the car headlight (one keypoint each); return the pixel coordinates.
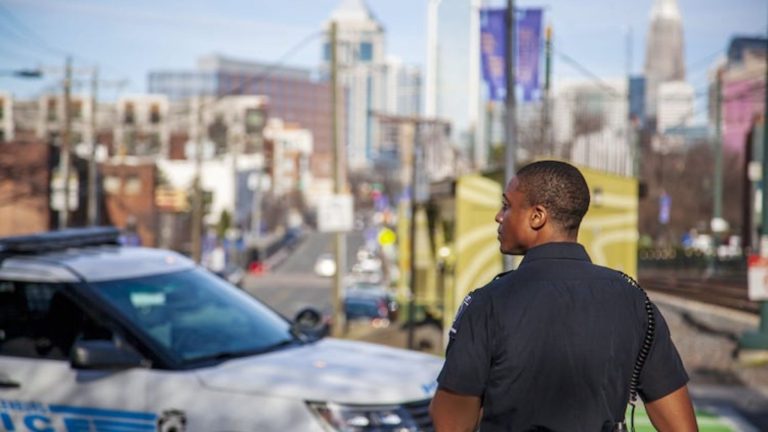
(363, 418)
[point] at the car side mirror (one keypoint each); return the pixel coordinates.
(310, 322)
(104, 354)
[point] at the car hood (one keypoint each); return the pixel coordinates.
(331, 370)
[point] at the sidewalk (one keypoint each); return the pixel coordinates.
(427, 337)
(722, 377)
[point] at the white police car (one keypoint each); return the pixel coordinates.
(99, 337)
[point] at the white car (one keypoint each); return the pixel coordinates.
(99, 337)
(325, 265)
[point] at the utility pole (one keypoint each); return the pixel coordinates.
(546, 135)
(65, 150)
(717, 213)
(197, 193)
(430, 87)
(93, 208)
(339, 323)
(758, 340)
(510, 125)
(417, 165)
(479, 156)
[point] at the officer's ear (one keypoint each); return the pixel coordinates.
(539, 216)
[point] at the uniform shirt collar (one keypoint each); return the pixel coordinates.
(559, 250)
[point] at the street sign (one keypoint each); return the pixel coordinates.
(387, 237)
(334, 213)
(757, 277)
(171, 200)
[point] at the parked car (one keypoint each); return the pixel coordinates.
(372, 309)
(372, 302)
(97, 336)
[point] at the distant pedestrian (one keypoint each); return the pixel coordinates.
(552, 345)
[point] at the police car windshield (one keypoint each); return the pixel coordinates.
(196, 317)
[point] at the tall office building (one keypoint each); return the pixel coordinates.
(362, 74)
(674, 105)
(403, 88)
(664, 51)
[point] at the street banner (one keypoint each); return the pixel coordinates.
(493, 45)
(528, 51)
(493, 42)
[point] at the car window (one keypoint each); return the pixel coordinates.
(194, 316)
(40, 320)
(362, 308)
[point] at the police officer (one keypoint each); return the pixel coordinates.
(552, 345)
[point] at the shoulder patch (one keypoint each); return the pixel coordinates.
(463, 307)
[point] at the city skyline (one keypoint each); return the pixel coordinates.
(125, 42)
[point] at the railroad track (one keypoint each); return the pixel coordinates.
(727, 292)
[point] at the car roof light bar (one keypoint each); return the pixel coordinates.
(61, 239)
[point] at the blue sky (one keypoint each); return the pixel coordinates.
(127, 39)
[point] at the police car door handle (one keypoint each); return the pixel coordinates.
(6, 382)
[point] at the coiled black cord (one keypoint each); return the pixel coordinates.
(645, 349)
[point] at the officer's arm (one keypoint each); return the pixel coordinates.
(673, 412)
(453, 412)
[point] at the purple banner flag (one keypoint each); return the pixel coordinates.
(493, 41)
(528, 51)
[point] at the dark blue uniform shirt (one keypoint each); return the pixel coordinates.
(551, 346)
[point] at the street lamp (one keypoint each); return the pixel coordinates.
(22, 73)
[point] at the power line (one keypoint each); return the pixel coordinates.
(32, 40)
(29, 33)
(704, 61)
(273, 66)
(588, 73)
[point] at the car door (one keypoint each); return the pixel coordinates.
(39, 388)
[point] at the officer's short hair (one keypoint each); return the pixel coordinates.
(559, 187)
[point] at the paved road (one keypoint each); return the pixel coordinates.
(302, 259)
(292, 285)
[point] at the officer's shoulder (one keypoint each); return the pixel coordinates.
(618, 276)
(498, 283)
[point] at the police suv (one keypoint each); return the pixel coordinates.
(95, 336)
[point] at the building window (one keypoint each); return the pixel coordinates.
(76, 138)
(153, 143)
(217, 132)
(51, 110)
(254, 120)
(76, 110)
(154, 114)
(129, 116)
(366, 51)
(112, 184)
(327, 51)
(129, 142)
(132, 185)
